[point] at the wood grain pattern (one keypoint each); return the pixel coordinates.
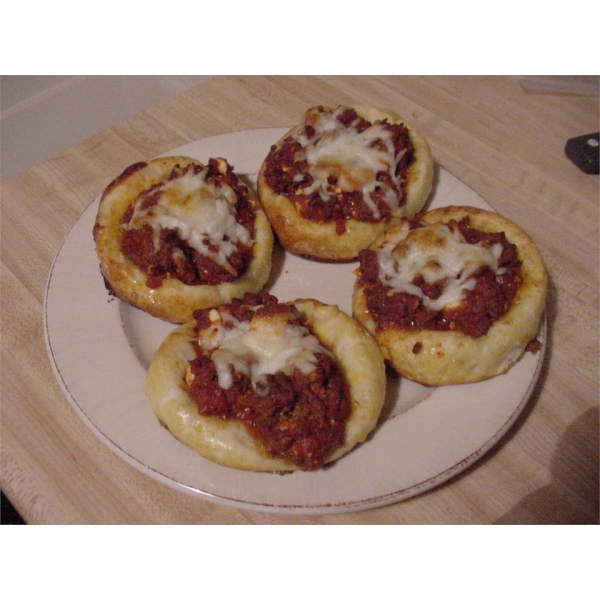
(505, 143)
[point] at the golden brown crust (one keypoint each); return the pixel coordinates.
(319, 240)
(227, 442)
(174, 300)
(452, 357)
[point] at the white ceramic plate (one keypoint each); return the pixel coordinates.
(100, 347)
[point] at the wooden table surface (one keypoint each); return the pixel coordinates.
(503, 141)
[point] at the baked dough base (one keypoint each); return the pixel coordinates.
(452, 357)
(228, 442)
(174, 300)
(319, 240)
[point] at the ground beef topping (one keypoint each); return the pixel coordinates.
(439, 291)
(257, 363)
(339, 166)
(197, 226)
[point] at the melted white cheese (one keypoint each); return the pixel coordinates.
(435, 252)
(258, 348)
(201, 212)
(351, 156)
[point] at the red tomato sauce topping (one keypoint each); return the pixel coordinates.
(485, 303)
(289, 176)
(174, 257)
(301, 418)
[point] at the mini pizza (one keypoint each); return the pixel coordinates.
(174, 235)
(338, 179)
(261, 385)
(454, 295)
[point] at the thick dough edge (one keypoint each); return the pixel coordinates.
(450, 357)
(174, 300)
(319, 241)
(227, 442)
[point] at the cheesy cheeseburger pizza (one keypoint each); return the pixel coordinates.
(454, 295)
(174, 235)
(336, 180)
(261, 385)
